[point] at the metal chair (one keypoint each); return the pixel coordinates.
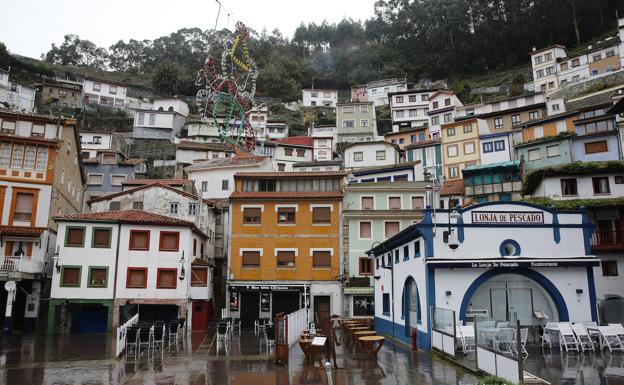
(236, 324)
(524, 336)
(582, 336)
(269, 337)
(567, 339)
(546, 337)
(174, 327)
(132, 340)
(259, 325)
(158, 341)
(222, 331)
(145, 339)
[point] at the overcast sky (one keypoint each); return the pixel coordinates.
(33, 25)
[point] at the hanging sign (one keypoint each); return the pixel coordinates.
(265, 301)
(507, 217)
(233, 300)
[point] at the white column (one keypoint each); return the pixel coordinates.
(8, 312)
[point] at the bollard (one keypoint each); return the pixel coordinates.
(414, 339)
(328, 370)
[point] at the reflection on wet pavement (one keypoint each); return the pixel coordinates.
(86, 359)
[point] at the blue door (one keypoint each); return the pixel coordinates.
(91, 319)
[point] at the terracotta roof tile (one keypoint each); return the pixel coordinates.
(19, 231)
(297, 140)
(124, 216)
(231, 161)
(424, 144)
(291, 174)
(169, 182)
(190, 145)
(286, 194)
(453, 187)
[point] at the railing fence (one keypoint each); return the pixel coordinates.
(120, 346)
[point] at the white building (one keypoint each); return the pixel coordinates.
(172, 104)
(16, 96)
(275, 130)
(399, 172)
(104, 93)
(496, 148)
(537, 267)
(214, 178)
(319, 98)
(156, 124)
(370, 154)
(202, 131)
(291, 150)
(139, 262)
(409, 108)
(324, 131)
(442, 110)
(258, 117)
(91, 142)
(377, 91)
(323, 147)
(318, 165)
(189, 152)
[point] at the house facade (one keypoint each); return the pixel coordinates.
(370, 154)
(60, 93)
(356, 122)
(156, 124)
(377, 91)
(429, 153)
(298, 261)
(460, 145)
(138, 262)
(16, 96)
(319, 98)
(399, 172)
(106, 173)
(407, 136)
(373, 212)
(409, 108)
(104, 93)
(442, 105)
(189, 152)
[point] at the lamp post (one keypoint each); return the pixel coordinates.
(55, 258)
(450, 235)
(182, 270)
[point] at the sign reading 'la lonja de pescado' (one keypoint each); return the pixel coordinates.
(507, 217)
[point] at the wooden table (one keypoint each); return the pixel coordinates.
(363, 333)
(358, 329)
(368, 342)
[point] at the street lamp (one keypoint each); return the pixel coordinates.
(55, 258)
(182, 271)
(450, 235)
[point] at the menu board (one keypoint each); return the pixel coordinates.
(233, 301)
(265, 301)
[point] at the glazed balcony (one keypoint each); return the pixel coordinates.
(607, 240)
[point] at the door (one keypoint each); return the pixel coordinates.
(321, 309)
(521, 306)
(200, 316)
(249, 307)
(498, 303)
(89, 319)
(284, 302)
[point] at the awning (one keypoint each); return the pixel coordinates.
(359, 290)
(513, 263)
(21, 231)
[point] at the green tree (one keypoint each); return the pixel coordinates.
(166, 79)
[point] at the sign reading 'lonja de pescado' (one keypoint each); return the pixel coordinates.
(518, 217)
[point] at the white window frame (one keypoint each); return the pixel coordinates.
(367, 196)
(116, 175)
(95, 174)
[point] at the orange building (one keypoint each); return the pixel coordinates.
(549, 126)
(285, 244)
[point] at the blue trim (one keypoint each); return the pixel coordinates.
(6, 326)
(460, 227)
(515, 244)
(592, 293)
(430, 297)
(385, 327)
(383, 170)
(588, 230)
(551, 289)
(29, 324)
(555, 223)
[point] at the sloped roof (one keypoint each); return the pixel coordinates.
(297, 141)
(21, 231)
(425, 143)
(232, 161)
(139, 188)
(201, 146)
(170, 182)
(452, 187)
(286, 194)
(291, 174)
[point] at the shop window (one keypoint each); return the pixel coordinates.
(321, 258)
(366, 266)
(98, 277)
(386, 304)
(70, 276)
(285, 258)
(169, 241)
(101, 237)
(321, 215)
(136, 277)
(139, 240)
(365, 230)
(601, 185)
(252, 215)
(609, 268)
(286, 215)
(166, 278)
(368, 203)
(74, 236)
(251, 258)
(199, 276)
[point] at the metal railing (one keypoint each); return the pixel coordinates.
(22, 264)
(608, 239)
(297, 323)
(121, 334)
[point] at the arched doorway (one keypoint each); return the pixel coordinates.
(411, 305)
(520, 294)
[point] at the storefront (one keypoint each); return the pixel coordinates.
(498, 261)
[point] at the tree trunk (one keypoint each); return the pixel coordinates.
(575, 20)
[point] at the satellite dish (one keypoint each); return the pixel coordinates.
(10, 286)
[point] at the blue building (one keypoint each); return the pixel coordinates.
(106, 173)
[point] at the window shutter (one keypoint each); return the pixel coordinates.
(139, 240)
(367, 203)
(392, 228)
(137, 278)
(418, 203)
(395, 203)
(167, 278)
(71, 276)
(199, 276)
(365, 229)
(251, 258)
(115, 206)
(595, 147)
(101, 237)
(169, 241)
(321, 259)
(75, 236)
(286, 258)
(98, 277)
(321, 215)
(23, 206)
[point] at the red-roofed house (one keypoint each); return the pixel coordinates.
(138, 263)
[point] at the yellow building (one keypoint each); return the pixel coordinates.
(460, 145)
(285, 244)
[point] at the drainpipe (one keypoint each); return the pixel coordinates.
(116, 265)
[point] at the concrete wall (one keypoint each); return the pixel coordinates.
(369, 155)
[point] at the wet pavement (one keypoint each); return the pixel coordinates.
(82, 359)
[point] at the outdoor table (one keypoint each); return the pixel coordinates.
(362, 333)
(306, 344)
(368, 342)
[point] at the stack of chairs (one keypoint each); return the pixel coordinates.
(146, 338)
(174, 328)
(132, 340)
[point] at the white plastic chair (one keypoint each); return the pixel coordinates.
(583, 337)
(505, 341)
(567, 339)
(524, 336)
(467, 339)
(609, 338)
(546, 337)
